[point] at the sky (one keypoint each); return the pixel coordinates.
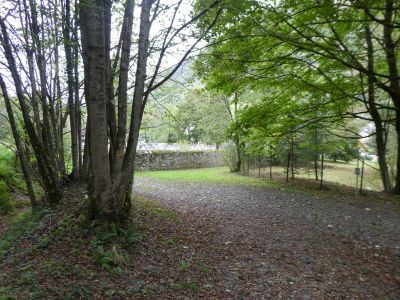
(173, 55)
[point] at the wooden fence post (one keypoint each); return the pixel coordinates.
(362, 176)
(322, 171)
(287, 167)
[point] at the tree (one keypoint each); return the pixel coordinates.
(18, 143)
(202, 116)
(111, 173)
(45, 126)
(39, 41)
(320, 48)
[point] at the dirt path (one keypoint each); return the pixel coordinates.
(267, 244)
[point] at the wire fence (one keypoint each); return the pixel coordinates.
(360, 174)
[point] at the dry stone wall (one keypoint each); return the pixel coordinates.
(170, 160)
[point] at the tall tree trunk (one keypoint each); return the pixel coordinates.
(321, 184)
(76, 87)
(287, 166)
(93, 31)
(47, 128)
(236, 139)
(50, 180)
(238, 164)
(109, 183)
(392, 62)
(18, 144)
(126, 40)
(111, 115)
(376, 117)
(122, 189)
(31, 70)
(57, 116)
(85, 162)
(292, 155)
(70, 84)
(316, 155)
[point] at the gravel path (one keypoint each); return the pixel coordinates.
(266, 243)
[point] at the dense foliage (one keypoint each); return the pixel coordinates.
(310, 67)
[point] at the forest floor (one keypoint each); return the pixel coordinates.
(201, 240)
(269, 244)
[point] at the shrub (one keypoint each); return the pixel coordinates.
(230, 156)
(9, 171)
(5, 199)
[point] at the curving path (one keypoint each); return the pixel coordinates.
(271, 244)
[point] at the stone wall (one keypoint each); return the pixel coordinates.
(169, 160)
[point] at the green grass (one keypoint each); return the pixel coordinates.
(9, 171)
(219, 175)
(23, 223)
(155, 209)
(336, 172)
(6, 206)
(339, 179)
(343, 173)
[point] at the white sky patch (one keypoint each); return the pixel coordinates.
(178, 47)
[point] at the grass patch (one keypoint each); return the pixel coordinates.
(341, 173)
(219, 175)
(344, 174)
(6, 206)
(338, 180)
(153, 208)
(183, 266)
(23, 223)
(57, 258)
(184, 285)
(10, 172)
(109, 244)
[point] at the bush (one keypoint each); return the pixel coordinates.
(9, 171)
(5, 199)
(108, 245)
(229, 156)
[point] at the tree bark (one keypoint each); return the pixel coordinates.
(32, 77)
(236, 139)
(321, 184)
(57, 115)
(70, 84)
(47, 128)
(93, 31)
(18, 144)
(287, 166)
(376, 117)
(292, 155)
(49, 178)
(316, 153)
(392, 62)
(110, 181)
(75, 47)
(122, 190)
(126, 40)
